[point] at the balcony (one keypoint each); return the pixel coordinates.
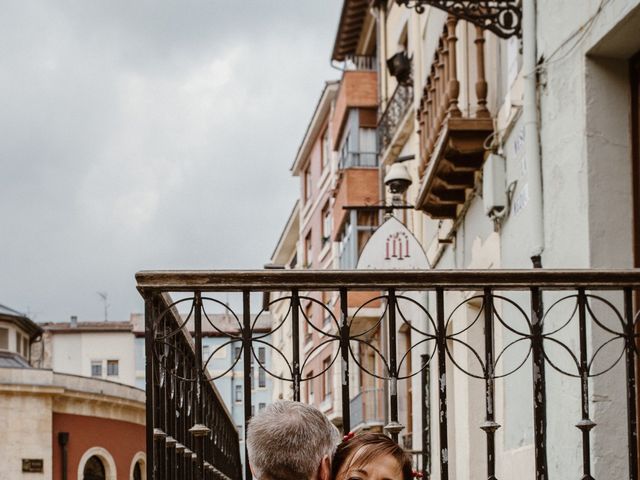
(360, 62)
(451, 142)
(575, 327)
(358, 159)
(394, 118)
(367, 409)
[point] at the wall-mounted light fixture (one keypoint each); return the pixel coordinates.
(399, 66)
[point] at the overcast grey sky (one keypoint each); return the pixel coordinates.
(148, 135)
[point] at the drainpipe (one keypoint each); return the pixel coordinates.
(532, 129)
(63, 440)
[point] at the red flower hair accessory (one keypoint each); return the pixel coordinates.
(417, 474)
(348, 437)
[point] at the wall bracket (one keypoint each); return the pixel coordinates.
(502, 17)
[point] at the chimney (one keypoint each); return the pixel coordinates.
(74, 321)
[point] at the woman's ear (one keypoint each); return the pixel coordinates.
(324, 470)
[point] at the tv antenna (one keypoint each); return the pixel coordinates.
(104, 296)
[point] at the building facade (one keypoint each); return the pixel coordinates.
(58, 426)
(519, 147)
(92, 349)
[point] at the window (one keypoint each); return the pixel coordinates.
(307, 183)
(310, 381)
(252, 377)
(261, 406)
(205, 351)
(240, 429)
(326, 150)
(327, 224)
(18, 342)
(261, 355)
(326, 299)
(326, 378)
(253, 410)
(308, 250)
(4, 338)
(262, 378)
(306, 328)
(345, 154)
(25, 347)
(238, 352)
(96, 368)
(112, 368)
(238, 393)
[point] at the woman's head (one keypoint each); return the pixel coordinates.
(371, 456)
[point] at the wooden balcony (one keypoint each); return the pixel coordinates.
(451, 143)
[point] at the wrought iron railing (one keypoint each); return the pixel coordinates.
(190, 433)
(482, 326)
(396, 110)
(367, 408)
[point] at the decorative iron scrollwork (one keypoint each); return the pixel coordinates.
(502, 17)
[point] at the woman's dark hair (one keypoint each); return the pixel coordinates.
(369, 446)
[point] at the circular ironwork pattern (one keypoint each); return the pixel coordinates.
(172, 358)
(502, 17)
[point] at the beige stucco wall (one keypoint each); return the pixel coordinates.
(28, 399)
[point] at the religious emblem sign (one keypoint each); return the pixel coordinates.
(393, 247)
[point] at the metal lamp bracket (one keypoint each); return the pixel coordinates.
(502, 17)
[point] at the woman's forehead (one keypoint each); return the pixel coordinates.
(368, 454)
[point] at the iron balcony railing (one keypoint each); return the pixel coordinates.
(367, 408)
(190, 433)
(358, 159)
(570, 331)
(396, 110)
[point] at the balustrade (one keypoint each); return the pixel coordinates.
(576, 327)
(447, 133)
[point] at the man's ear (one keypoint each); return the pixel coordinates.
(324, 470)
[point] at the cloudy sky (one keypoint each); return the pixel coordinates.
(148, 135)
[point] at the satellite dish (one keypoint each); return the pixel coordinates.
(393, 247)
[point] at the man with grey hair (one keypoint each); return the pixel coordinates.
(291, 441)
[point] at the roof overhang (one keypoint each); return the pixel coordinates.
(22, 321)
(288, 238)
(350, 27)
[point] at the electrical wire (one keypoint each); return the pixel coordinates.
(577, 37)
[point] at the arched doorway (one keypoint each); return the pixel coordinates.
(138, 470)
(97, 464)
(94, 469)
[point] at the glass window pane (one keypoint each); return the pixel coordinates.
(96, 368)
(4, 338)
(112, 368)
